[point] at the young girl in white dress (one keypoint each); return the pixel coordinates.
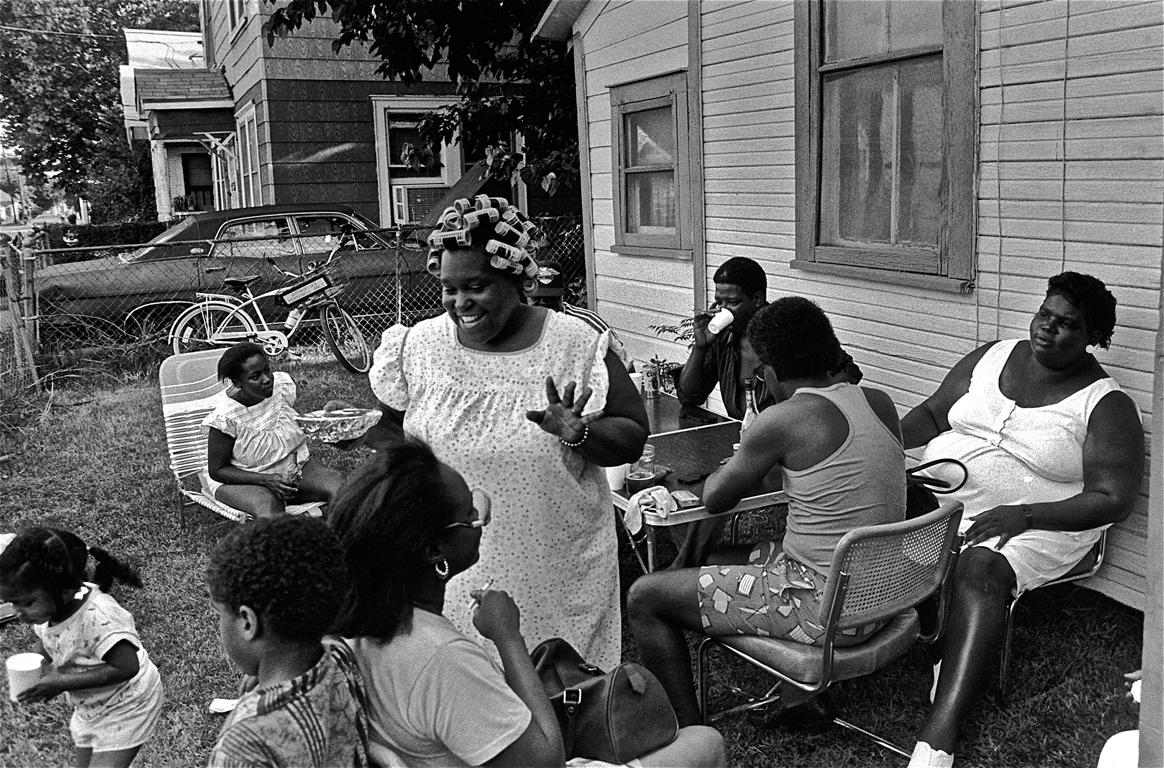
(97, 659)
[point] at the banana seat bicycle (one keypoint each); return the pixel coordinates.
(221, 319)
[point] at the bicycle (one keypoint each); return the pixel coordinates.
(220, 319)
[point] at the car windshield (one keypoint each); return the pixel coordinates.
(177, 232)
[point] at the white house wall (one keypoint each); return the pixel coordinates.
(1071, 157)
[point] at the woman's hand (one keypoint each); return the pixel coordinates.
(497, 616)
(562, 416)
(1004, 522)
(277, 485)
(50, 685)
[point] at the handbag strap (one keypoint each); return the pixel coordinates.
(934, 484)
(571, 703)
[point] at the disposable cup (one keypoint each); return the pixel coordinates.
(722, 320)
(637, 380)
(616, 476)
(24, 669)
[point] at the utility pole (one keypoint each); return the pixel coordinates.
(8, 179)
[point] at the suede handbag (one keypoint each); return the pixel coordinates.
(614, 716)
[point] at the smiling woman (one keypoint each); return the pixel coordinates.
(527, 404)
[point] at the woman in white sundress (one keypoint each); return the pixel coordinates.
(528, 405)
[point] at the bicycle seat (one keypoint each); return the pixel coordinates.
(239, 283)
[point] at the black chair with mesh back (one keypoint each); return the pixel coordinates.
(878, 573)
(1085, 568)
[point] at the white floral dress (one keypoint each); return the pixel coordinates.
(551, 544)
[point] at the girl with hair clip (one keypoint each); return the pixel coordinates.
(96, 656)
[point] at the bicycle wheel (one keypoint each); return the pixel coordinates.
(346, 339)
(208, 326)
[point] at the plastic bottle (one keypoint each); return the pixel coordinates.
(750, 414)
(293, 318)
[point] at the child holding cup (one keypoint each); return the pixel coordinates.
(96, 656)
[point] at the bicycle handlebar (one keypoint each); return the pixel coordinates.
(313, 266)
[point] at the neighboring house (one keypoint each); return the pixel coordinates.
(11, 209)
(293, 123)
(918, 174)
(171, 100)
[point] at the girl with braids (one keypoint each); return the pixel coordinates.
(527, 404)
(96, 656)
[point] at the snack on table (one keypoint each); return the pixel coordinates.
(341, 424)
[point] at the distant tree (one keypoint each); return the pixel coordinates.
(505, 80)
(60, 92)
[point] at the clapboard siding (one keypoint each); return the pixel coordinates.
(1070, 162)
(626, 42)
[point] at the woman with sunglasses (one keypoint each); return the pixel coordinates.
(408, 523)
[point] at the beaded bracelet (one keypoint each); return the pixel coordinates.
(585, 434)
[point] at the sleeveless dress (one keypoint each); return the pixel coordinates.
(1019, 455)
(551, 544)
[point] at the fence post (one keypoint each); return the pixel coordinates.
(28, 294)
(22, 346)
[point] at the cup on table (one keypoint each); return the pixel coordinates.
(24, 669)
(616, 476)
(637, 380)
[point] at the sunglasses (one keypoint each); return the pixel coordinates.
(482, 508)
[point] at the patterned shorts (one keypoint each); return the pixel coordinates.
(772, 596)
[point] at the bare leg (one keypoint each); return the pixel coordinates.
(660, 606)
(117, 759)
(255, 500)
(983, 582)
(318, 483)
(697, 746)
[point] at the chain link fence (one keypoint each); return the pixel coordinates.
(128, 296)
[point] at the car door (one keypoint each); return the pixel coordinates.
(365, 258)
(245, 247)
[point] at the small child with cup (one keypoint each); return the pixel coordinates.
(96, 656)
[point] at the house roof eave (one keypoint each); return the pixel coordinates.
(557, 23)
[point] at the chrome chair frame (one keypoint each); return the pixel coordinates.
(846, 578)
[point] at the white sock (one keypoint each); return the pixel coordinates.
(934, 686)
(925, 756)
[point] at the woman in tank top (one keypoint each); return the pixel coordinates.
(838, 448)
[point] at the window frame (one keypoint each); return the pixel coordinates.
(639, 96)
(249, 183)
(952, 266)
(452, 159)
(237, 13)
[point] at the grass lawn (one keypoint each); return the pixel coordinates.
(96, 463)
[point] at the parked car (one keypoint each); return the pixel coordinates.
(46, 219)
(147, 288)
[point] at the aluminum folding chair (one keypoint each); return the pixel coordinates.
(190, 390)
(1085, 568)
(879, 573)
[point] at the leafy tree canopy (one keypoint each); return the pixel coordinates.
(505, 80)
(60, 91)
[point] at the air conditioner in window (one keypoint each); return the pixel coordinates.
(410, 203)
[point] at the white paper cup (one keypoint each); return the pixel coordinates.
(637, 380)
(616, 476)
(24, 669)
(722, 320)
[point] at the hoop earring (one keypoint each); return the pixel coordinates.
(442, 570)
